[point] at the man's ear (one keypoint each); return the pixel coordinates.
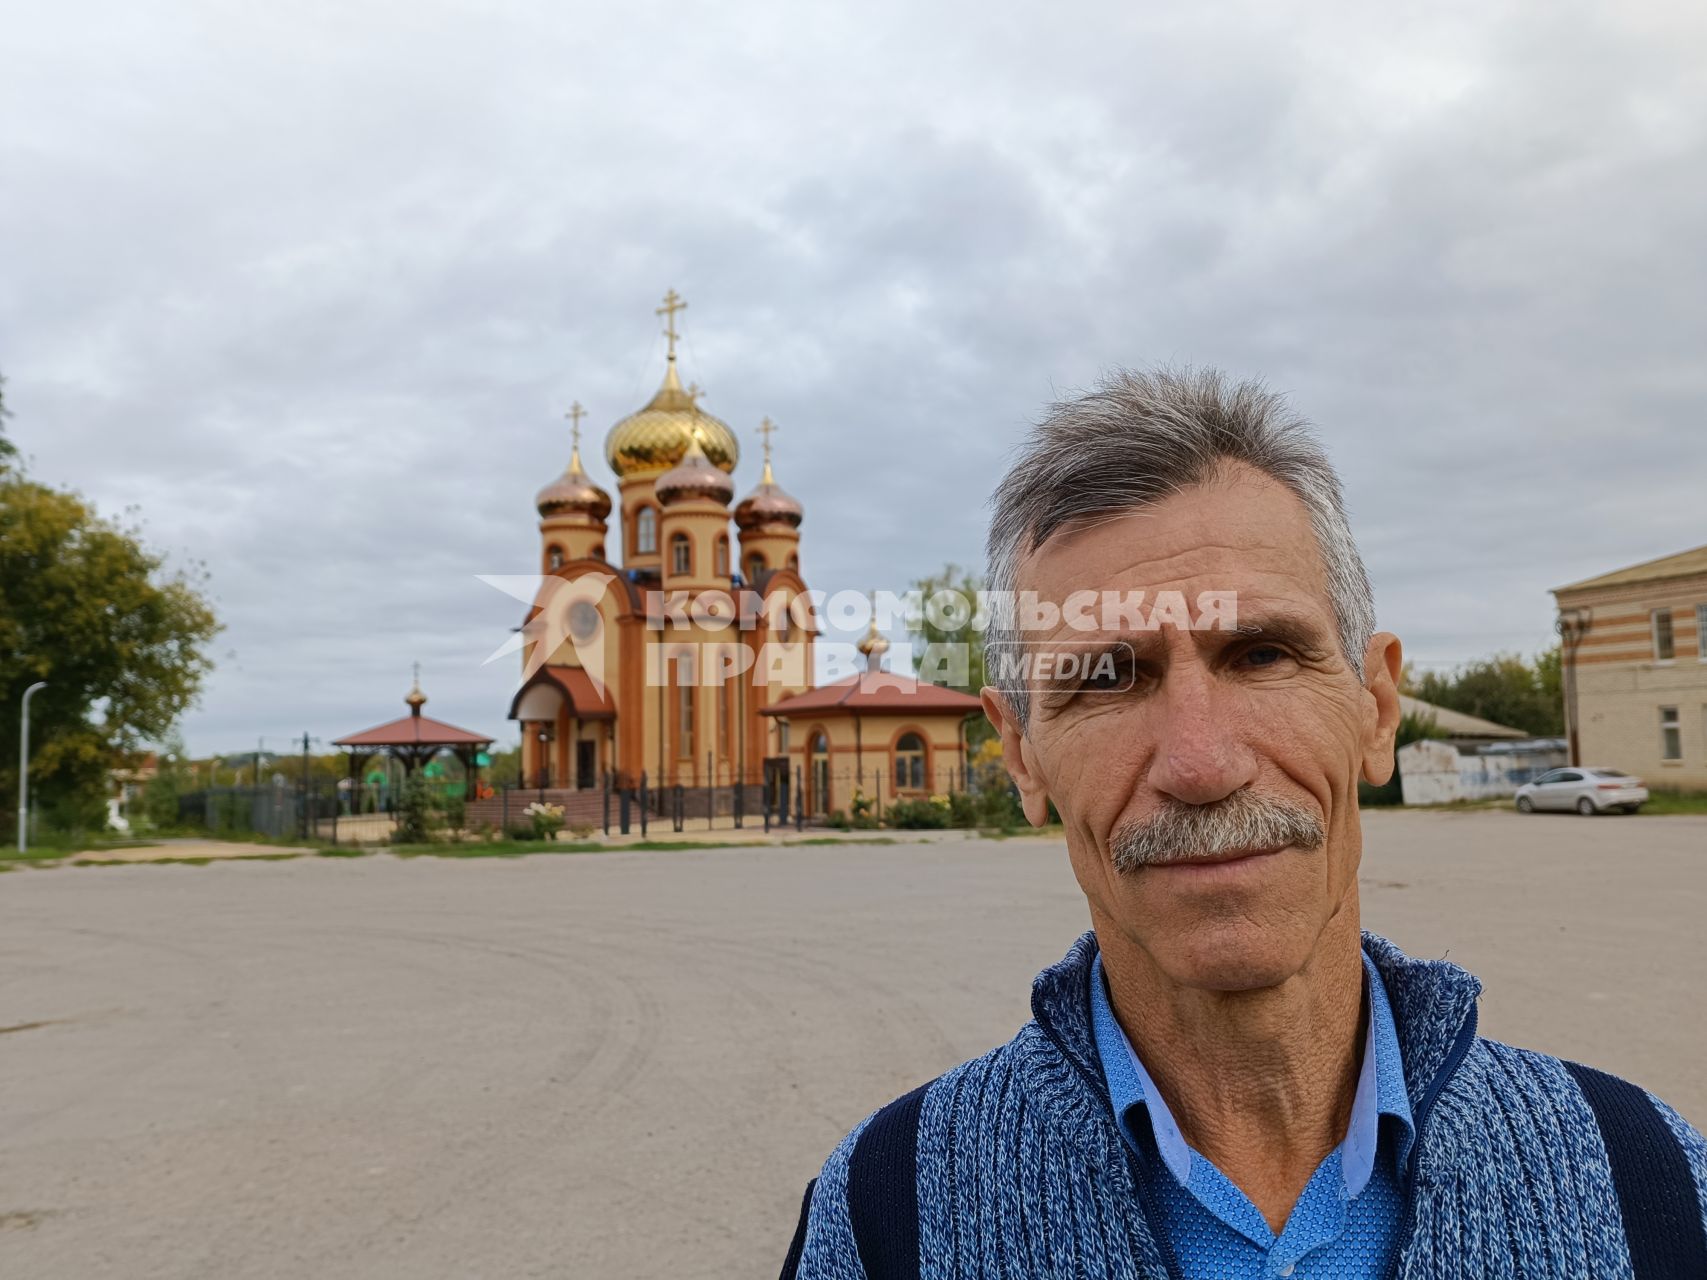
(1382, 661)
(1017, 756)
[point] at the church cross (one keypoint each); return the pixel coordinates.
(575, 414)
(767, 428)
(672, 304)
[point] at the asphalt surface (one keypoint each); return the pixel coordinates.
(629, 1064)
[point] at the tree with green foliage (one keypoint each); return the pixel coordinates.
(85, 606)
(1505, 688)
(927, 628)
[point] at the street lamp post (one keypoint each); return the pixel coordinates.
(24, 766)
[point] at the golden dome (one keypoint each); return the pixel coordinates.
(658, 437)
(694, 477)
(573, 491)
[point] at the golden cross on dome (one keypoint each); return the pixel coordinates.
(766, 429)
(695, 391)
(575, 414)
(672, 304)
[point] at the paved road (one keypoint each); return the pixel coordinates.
(627, 1065)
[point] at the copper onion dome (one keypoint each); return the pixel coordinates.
(573, 491)
(694, 477)
(769, 502)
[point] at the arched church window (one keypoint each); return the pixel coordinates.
(755, 566)
(645, 531)
(684, 704)
(599, 552)
(794, 563)
(910, 763)
(681, 554)
(554, 558)
(722, 557)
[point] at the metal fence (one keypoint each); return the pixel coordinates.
(320, 810)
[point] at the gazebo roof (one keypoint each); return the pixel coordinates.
(415, 731)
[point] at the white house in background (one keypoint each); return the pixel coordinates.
(1476, 760)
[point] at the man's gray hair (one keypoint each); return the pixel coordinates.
(1138, 438)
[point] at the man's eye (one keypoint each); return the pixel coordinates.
(1264, 655)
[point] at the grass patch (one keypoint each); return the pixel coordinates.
(1675, 802)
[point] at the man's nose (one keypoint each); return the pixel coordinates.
(1199, 756)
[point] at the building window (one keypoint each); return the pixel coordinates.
(681, 554)
(684, 704)
(722, 558)
(782, 736)
(599, 552)
(1671, 735)
(554, 558)
(794, 562)
(1664, 650)
(755, 566)
(645, 532)
(910, 763)
(1701, 631)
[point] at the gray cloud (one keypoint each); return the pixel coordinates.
(312, 289)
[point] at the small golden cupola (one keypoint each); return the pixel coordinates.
(415, 699)
(873, 644)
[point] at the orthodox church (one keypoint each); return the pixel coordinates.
(690, 658)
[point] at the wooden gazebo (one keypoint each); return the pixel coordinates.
(415, 739)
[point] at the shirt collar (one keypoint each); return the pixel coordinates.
(1380, 1086)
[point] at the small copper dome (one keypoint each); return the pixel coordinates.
(573, 491)
(769, 503)
(696, 476)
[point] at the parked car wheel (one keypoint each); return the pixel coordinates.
(1585, 806)
(1525, 805)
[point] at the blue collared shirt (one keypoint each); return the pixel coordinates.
(1346, 1222)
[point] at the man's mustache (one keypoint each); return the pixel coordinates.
(1242, 822)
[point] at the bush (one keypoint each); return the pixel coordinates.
(919, 815)
(547, 819)
(416, 815)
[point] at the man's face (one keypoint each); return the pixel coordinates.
(1264, 719)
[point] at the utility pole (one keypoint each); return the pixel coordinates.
(305, 818)
(24, 766)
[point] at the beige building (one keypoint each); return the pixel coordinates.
(1635, 669)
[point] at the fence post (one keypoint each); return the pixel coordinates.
(643, 804)
(607, 801)
(740, 792)
(799, 802)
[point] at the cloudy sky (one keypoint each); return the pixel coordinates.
(311, 286)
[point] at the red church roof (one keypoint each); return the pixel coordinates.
(413, 731)
(876, 691)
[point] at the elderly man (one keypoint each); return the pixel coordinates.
(1226, 1077)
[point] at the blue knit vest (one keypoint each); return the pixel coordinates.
(1020, 1172)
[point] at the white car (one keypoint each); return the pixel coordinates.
(1588, 791)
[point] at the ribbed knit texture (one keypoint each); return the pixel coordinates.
(1021, 1173)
